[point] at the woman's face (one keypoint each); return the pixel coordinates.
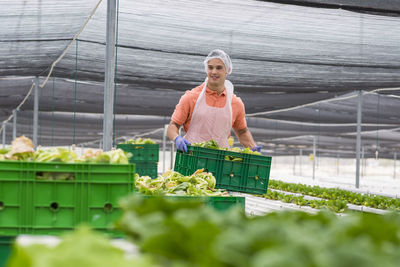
(216, 72)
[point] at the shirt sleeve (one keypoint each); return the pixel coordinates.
(239, 121)
(182, 109)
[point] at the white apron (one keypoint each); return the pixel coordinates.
(211, 122)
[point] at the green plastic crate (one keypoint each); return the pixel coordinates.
(249, 175)
(33, 206)
(5, 249)
(147, 169)
(12, 210)
(141, 153)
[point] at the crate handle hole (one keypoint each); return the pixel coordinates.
(54, 206)
(205, 170)
(108, 207)
(1, 205)
(231, 174)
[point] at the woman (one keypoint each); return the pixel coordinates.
(211, 110)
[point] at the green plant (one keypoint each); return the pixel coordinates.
(332, 205)
(369, 200)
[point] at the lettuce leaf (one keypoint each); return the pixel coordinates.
(80, 248)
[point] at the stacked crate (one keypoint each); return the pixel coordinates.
(144, 156)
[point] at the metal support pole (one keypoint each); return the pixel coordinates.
(164, 145)
(337, 164)
(314, 156)
(394, 165)
(365, 166)
(109, 76)
(4, 134)
(36, 112)
(173, 150)
(294, 164)
(15, 111)
(358, 142)
(172, 155)
(301, 155)
(362, 161)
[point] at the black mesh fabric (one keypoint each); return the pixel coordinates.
(291, 61)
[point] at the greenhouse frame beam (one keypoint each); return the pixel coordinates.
(301, 156)
(361, 162)
(337, 164)
(164, 144)
(14, 132)
(394, 164)
(109, 76)
(4, 133)
(35, 112)
(314, 157)
(358, 141)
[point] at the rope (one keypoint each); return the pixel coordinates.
(18, 107)
(70, 44)
(24, 100)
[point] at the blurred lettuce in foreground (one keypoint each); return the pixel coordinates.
(80, 248)
(192, 234)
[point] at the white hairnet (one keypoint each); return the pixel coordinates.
(217, 53)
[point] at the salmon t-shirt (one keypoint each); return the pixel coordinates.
(184, 109)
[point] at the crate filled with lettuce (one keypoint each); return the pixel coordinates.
(197, 187)
(144, 153)
(46, 191)
(235, 169)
